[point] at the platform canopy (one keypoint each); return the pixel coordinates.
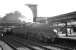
(68, 17)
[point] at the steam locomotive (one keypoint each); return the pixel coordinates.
(34, 31)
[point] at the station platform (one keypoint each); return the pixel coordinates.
(70, 36)
(4, 46)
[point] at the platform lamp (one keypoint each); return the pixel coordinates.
(33, 8)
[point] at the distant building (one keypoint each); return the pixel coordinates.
(41, 19)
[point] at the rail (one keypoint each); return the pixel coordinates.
(21, 41)
(9, 44)
(51, 44)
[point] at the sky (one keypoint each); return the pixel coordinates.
(45, 8)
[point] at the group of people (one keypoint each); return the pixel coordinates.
(7, 31)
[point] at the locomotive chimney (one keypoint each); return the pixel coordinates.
(33, 7)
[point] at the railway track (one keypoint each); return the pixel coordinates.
(57, 45)
(16, 44)
(33, 45)
(21, 42)
(66, 43)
